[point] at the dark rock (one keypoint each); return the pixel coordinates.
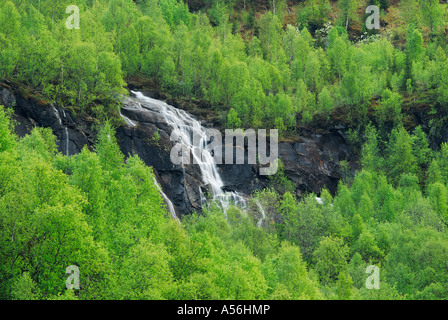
(310, 161)
(181, 185)
(72, 134)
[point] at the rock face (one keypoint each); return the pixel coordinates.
(181, 185)
(72, 134)
(311, 161)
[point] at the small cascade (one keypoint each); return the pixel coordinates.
(227, 199)
(128, 121)
(321, 201)
(203, 198)
(168, 202)
(187, 127)
(56, 113)
(66, 141)
(261, 210)
(66, 134)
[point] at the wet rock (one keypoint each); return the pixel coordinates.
(311, 161)
(72, 134)
(180, 184)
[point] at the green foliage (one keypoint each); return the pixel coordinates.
(348, 9)
(434, 173)
(156, 136)
(279, 181)
(24, 288)
(279, 75)
(314, 14)
(370, 154)
(420, 147)
(145, 273)
(432, 13)
(104, 214)
(437, 194)
(401, 158)
(7, 138)
(331, 258)
(344, 286)
(325, 102)
(390, 108)
(305, 223)
(290, 278)
(232, 119)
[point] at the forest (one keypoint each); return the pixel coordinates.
(288, 65)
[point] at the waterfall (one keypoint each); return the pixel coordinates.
(167, 201)
(56, 113)
(203, 198)
(66, 141)
(188, 127)
(263, 214)
(128, 121)
(321, 201)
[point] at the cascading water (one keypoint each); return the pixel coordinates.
(167, 201)
(128, 121)
(56, 113)
(187, 127)
(66, 141)
(263, 214)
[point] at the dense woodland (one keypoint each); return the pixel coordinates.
(258, 64)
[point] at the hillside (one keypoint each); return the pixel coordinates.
(87, 178)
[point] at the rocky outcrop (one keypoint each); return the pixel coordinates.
(310, 161)
(180, 184)
(30, 111)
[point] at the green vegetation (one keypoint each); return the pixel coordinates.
(276, 69)
(107, 217)
(263, 73)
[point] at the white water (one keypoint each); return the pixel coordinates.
(58, 116)
(263, 214)
(188, 127)
(128, 121)
(203, 199)
(167, 201)
(321, 201)
(56, 113)
(66, 140)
